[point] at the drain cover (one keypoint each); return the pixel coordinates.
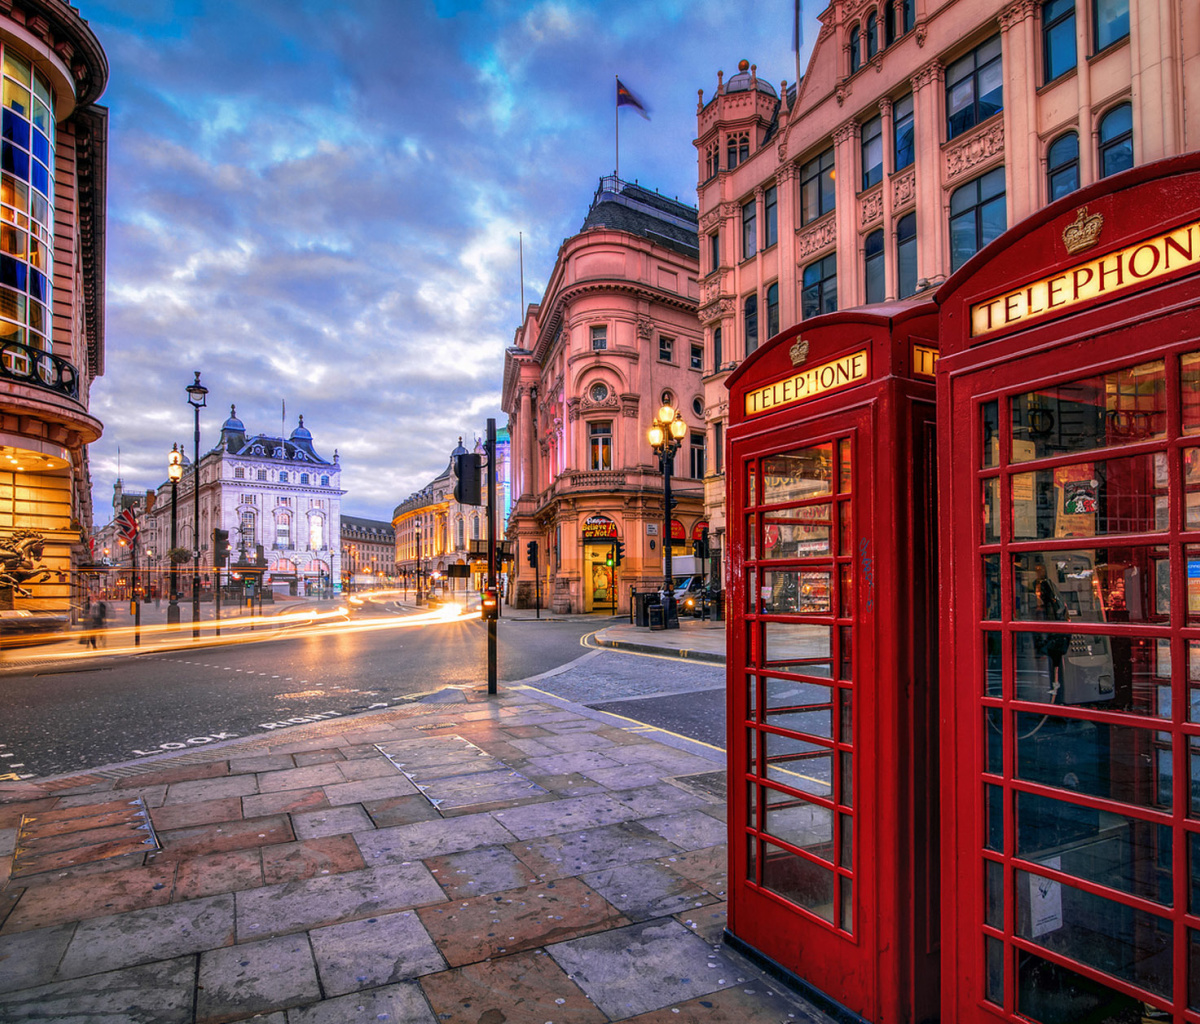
(709, 784)
(53, 840)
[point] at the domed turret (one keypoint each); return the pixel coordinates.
(233, 432)
(747, 79)
(233, 423)
(300, 433)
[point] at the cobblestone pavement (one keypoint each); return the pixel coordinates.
(464, 859)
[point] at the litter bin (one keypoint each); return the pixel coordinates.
(642, 603)
(658, 619)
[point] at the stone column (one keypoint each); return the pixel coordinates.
(890, 277)
(789, 221)
(929, 117)
(846, 163)
(1019, 60)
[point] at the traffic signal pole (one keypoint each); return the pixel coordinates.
(137, 605)
(491, 550)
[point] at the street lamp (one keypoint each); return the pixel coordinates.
(666, 434)
(420, 598)
(174, 474)
(196, 394)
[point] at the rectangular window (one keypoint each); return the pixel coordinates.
(819, 294)
(750, 318)
(600, 445)
(283, 532)
(249, 499)
(977, 216)
(1058, 37)
(666, 348)
(718, 447)
(262, 474)
(770, 217)
(974, 88)
(697, 357)
(902, 131)
(906, 254)
(749, 229)
(697, 455)
(772, 309)
(239, 473)
(873, 266)
(718, 354)
(599, 339)
(817, 187)
(714, 251)
(1111, 19)
(872, 152)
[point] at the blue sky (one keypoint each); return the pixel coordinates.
(319, 202)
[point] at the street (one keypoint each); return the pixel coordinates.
(74, 714)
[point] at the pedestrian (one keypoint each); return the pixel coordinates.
(97, 614)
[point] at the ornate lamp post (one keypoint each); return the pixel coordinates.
(420, 597)
(666, 434)
(196, 399)
(174, 474)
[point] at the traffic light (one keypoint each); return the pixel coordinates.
(619, 554)
(490, 604)
(531, 554)
(220, 547)
(467, 490)
(610, 559)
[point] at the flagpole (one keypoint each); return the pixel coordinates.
(617, 131)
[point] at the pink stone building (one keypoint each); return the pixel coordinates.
(918, 133)
(614, 337)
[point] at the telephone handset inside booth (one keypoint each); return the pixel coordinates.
(1057, 667)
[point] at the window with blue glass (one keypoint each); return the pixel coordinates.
(855, 49)
(908, 14)
(906, 255)
(872, 152)
(872, 35)
(1058, 37)
(977, 216)
(772, 309)
(902, 131)
(770, 217)
(1110, 19)
(749, 229)
(873, 267)
(889, 22)
(817, 192)
(1116, 140)
(750, 320)
(974, 88)
(1062, 165)
(26, 203)
(819, 294)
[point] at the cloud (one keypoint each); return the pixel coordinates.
(320, 202)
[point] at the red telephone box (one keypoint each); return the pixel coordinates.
(1069, 400)
(831, 659)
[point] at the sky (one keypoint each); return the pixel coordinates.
(318, 203)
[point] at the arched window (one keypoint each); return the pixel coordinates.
(1062, 165)
(750, 319)
(906, 255)
(908, 9)
(315, 533)
(475, 528)
(1116, 140)
(855, 49)
(772, 309)
(324, 481)
(872, 35)
(977, 216)
(283, 532)
(819, 293)
(462, 528)
(873, 259)
(889, 23)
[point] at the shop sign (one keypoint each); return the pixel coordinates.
(699, 529)
(924, 360)
(677, 531)
(599, 527)
(800, 387)
(1104, 276)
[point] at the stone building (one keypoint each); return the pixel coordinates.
(267, 491)
(52, 229)
(614, 337)
(916, 135)
(368, 553)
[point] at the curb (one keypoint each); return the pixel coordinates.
(673, 652)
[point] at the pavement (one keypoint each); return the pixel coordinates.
(461, 858)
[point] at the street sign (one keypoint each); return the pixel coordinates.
(127, 525)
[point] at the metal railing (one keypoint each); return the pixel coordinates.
(36, 368)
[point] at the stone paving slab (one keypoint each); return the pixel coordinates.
(30, 958)
(431, 838)
(158, 993)
(576, 853)
(476, 872)
(403, 1003)
(648, 889)
(689, 830)
(257, 977)
(334, 821)
(563, 816)
(376, 951)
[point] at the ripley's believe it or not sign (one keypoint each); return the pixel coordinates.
(817, 380)
(1112, 273)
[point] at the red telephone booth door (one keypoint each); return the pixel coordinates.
(793, 692)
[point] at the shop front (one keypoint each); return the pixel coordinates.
(1069, 396)
(830, 659)
(600, 570)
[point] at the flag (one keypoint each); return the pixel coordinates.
(627, 99)
(798, 28)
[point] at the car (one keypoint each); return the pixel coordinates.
(21, 627)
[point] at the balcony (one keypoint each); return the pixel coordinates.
(34, 368)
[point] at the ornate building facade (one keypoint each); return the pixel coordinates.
(434, 531)
(276, 493)
(614, 337)
(368, 553)
(52, 229)
(918, 133)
